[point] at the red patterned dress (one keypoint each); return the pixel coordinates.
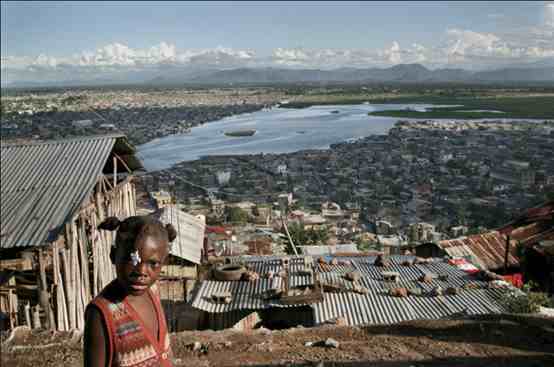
(131, 344)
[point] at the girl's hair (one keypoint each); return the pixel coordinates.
(132, 228)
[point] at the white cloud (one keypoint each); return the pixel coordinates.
(465, 40)
(393, 54)
(220, 56)
(469, 48)
(549, 15)
(15, 62)
(459, 48)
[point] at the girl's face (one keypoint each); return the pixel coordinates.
(139, 265)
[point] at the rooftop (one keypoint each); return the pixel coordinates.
(376, 306)
(43, 184)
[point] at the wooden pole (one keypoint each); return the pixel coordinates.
(36, 317)
(506, 254)
(76, 268)
(123, 163)
(85, 281)
(114, 172)
(27, 310)
(11, 313)
(61, 305)
(68, 282)
(44, 295)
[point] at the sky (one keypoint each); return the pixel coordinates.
(56, 40)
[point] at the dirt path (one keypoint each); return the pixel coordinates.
(420, 343)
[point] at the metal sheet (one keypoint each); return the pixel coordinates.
(44, 184)
(190, 233)
(375, 307)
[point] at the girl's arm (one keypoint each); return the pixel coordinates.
(96, 340)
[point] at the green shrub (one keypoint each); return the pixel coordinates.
(526, 300)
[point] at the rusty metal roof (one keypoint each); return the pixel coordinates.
(43, 184)
(488, 250)
(533, 225)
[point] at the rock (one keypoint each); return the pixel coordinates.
(471, 285)
(381, 261)
(353, 276)
(426, 278)
(437, 291)
(196, 346)
(359, 289)
(452, 291)
(338, 321)
(263, 330)
(415, 291)
(331, 343)
(250, 276)
(398, 292)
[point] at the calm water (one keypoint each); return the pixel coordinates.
(279, 130)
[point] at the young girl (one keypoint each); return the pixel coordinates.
(125, 324)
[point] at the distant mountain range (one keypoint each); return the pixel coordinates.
(402, 73)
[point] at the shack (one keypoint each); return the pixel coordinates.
(53, 196)
(534, 232)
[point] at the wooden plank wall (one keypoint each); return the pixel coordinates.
(81, 265)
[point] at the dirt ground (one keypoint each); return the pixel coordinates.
(416, 343)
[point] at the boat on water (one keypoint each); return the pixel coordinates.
(335, 111)
(240, 133)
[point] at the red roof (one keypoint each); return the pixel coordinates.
(216, 229)
(533, 224)
(489, 248)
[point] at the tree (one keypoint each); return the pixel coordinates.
(236, 215)
(298, 234)
(317, 236)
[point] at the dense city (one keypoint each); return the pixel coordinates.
(437, 223)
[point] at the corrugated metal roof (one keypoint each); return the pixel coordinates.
(190, 233)
(488, 248)
(375, 307)
(43, 184)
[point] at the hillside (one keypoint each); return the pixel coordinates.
(422, 343)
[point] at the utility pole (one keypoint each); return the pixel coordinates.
(283, 203)
(507, 253)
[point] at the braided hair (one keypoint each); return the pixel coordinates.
(133, 228)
